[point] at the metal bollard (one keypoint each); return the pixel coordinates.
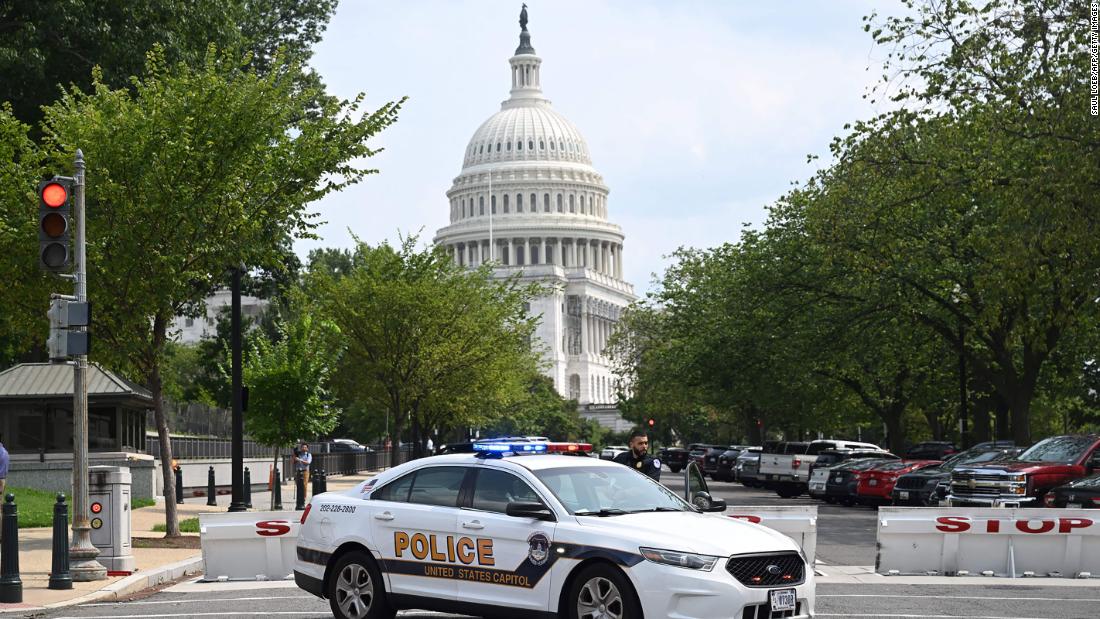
(179, 485)
(299, 490)
(278, 490)
(316, 479)
(60, 578)
(247, 488)
(324, 480)
(211, 491)
(11, 587)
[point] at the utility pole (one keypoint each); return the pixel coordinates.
(238, 504)
(82, 553)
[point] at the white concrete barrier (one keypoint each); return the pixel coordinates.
(797, 523)
(248, 545)
(962, 541)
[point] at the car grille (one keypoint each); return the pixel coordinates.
(965, 477)
(764, 611)
(910, 483)
(977, 491)
(757, 570)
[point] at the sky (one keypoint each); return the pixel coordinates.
(698, 114)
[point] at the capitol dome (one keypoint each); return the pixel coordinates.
(529, 202)
(532, 131)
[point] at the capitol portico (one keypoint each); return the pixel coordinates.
(528, 200)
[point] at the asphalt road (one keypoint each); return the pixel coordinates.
(845, 535)
(279, 600)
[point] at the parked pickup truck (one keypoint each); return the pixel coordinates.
(1026, 480)
(785, 467)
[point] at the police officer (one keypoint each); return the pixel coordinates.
(637, 458)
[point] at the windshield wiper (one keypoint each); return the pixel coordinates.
(603, 513)
(655, 509)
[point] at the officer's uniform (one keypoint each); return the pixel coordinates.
(646, 464)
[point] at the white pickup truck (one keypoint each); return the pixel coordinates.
(785, 467)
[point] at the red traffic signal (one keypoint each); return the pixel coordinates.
(652, 422)
(54, 196)
(97, 507)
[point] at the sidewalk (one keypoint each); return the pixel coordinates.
(154, 565)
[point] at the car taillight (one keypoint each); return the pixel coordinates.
(305, 514)
(796, 463)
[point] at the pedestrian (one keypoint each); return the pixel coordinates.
(638, 457)
(302, 461)
(4, 460)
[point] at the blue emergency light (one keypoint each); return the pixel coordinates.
(496, 450)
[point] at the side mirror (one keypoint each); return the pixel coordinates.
(524, 509)
(707, 503)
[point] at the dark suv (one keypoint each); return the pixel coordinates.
(727, 463)
(675, 458)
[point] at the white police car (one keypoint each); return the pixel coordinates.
(500, 534)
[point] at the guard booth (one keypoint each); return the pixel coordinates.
(109, 515)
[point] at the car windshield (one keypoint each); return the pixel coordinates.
(971, 458)
(1062, 449)
(608, 491)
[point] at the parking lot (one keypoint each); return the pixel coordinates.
(845, 535)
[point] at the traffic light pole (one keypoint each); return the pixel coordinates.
(238, 504)
(82, 553)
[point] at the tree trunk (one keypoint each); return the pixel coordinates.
(415, 438)
(895, 428)
(1020, 407)
(395, 438)
(156, 387)
(979, 424)
(1004, 428)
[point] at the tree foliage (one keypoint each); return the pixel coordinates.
(431, 344)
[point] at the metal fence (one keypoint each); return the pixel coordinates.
(348, 463)
(192, 448)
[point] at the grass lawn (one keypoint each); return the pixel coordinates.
(188, 525)
(36, 506)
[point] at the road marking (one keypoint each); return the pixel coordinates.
(187, 601)
(926, 616)
(304, 613)
(956, 597)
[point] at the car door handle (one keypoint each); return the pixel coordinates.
(383, 516)
(474, 524)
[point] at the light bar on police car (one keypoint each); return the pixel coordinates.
(510, 447)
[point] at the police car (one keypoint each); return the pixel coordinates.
(501, 534)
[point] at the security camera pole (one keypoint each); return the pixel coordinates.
(82, 553)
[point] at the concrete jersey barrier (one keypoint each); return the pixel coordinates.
(960, 541)
(797, 523)
(248, 545)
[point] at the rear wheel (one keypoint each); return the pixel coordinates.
(602, 592)
(355, 589)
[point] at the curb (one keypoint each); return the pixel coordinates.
(127, 586)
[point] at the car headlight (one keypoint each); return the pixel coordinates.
(675, 558)
(1018, 478)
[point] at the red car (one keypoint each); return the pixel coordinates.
(875, 485)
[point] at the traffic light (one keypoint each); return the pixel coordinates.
(54, 197)
(652, 422)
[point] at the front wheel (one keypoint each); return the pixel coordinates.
(602, 592)
(356, 591)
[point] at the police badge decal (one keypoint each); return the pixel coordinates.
(539, 548)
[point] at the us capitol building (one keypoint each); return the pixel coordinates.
(529, 201)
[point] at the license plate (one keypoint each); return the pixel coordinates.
(903, 495)
(873, 482)
(783, 600)
(1073, 506)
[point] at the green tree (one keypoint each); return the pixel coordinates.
(191, 172)
(431, 344)
(288, 382)
(48, 45)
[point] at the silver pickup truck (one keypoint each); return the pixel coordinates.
(785, 467)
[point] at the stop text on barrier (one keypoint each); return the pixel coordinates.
(1063, 526)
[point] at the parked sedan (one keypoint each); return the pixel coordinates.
(1081, 493)
(611, 451)
(727, 464)
(830, 459)
(748, 467)
(841, 486)
(876, 484)
(919, 487)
